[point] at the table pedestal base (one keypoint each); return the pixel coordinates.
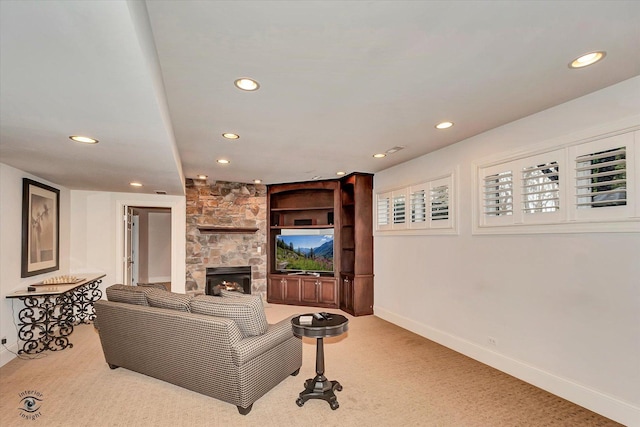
(320, 388)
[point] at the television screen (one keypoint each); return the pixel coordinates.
(305, 250)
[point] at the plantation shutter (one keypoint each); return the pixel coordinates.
(418, 206)
(399, 208)
(383, 207)
(498, 194)
(601, 179)
(541, 188)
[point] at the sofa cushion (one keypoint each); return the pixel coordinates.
(232, 294)
(171, 300)
(248, 312)
(128, 294)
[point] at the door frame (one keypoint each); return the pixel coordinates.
(177, 204)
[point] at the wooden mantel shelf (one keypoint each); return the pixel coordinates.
(212, 229)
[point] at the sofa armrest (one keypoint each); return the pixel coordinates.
(250, 347)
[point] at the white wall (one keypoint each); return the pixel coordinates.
(563, 308)
(91, 240)
(97, 235)
(159, 254)
(10, 250)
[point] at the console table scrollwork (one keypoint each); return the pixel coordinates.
(51, 311)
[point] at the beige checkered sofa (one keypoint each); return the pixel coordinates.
(220, 346)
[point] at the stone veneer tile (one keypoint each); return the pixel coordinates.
(226, 204)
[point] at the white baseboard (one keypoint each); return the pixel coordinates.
(6, 356)
(593, 400)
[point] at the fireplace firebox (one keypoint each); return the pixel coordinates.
(232, 278)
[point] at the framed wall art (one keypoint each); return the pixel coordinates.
(40, 228)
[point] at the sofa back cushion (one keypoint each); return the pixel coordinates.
(171, 300)
(248, 312)
(128, 294)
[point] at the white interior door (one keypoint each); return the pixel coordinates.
(128, 251)
(135, 251)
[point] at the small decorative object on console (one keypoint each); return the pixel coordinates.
(60, 280)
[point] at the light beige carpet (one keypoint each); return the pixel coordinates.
(391, 377)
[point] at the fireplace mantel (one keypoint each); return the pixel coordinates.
(212, 229)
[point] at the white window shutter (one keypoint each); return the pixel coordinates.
(383, 211)
(541, 183)
(399, 209)
(441, 203)
(602, 179)
(418, 214)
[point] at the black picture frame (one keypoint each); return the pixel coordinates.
(40, 228)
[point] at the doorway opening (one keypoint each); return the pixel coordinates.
(147, 246)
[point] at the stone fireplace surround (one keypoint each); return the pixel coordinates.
(240, 208)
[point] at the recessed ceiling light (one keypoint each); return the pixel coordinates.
(135, 184)
(379, 155)
(202, 176)
(223, 161)
(587, 59)
(246, 83)
(83, 139)
(257, 181)
(444, 125)
(231, 135)
(340, 173)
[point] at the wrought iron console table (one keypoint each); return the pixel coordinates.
(51, 311)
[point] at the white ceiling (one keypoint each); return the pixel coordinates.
(340, 81)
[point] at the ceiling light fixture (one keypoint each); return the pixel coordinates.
(340, 173)
(202, 176)
(379, 155)
(135, 184)
(247, 84)
(316, 177)
(587, 59)
(257, 181)
(223, 161)
(231, 135)
(444, 125)
(83, 139)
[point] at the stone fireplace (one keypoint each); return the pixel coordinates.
(231, 278)
(226, 227)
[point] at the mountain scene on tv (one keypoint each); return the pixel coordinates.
(306, 253)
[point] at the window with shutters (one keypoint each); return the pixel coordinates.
(383, 208)
(603, 188)
(601, 179)
(399, 208)
(498, 194)
(425, 208)
(580, 187)
(418, 206)
(541, 188)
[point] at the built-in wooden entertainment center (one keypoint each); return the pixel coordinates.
(342, 207)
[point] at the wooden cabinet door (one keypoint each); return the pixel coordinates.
(327, 291)
(291, 290)
(310, 288)
(275, 289)
(346, 294)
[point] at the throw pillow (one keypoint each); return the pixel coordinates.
(248, 313)
(171, 300)
(128, 294)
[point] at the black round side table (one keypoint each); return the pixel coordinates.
(319, 387)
